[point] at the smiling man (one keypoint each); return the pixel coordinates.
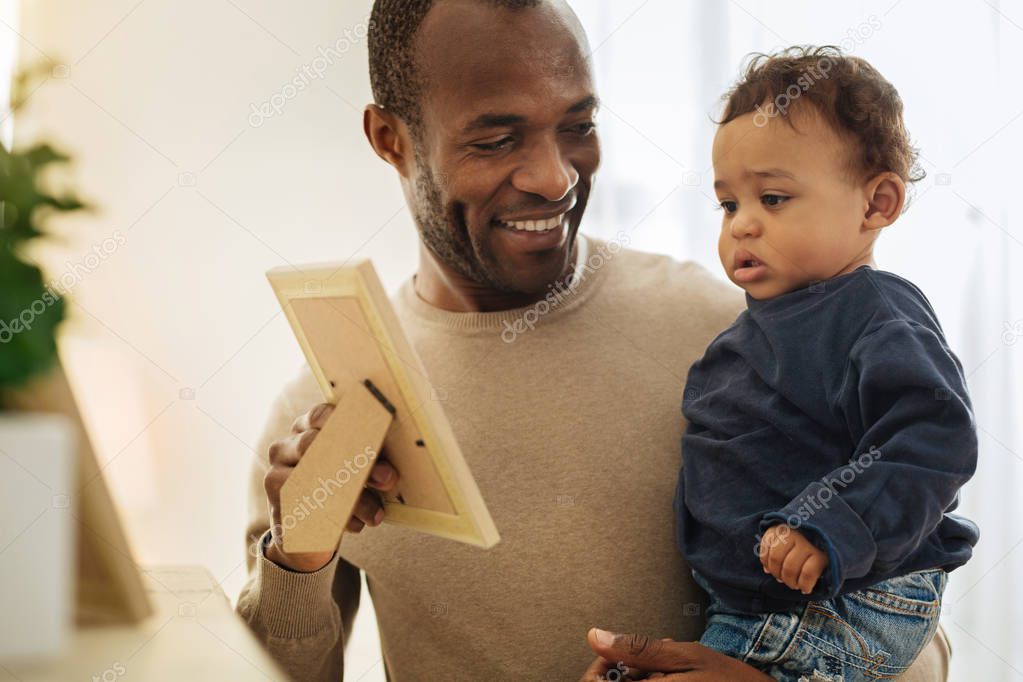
(561, 361)
(494, 96)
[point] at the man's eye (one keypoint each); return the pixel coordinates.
(495, 146)
(773, 199)
(584, 129)
(729, 206)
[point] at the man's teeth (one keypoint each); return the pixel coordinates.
(535, 225)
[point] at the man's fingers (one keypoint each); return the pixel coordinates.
(304, 440)
(273, 480)
(288, 450)
(383, 477)
(319, 415)
(313, 418)
(596, 671)
(640, 651)
(368, 509)
(282, 452)
(692, 661)
(603, 671)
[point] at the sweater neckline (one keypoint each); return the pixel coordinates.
(799, 295)
(558, 301)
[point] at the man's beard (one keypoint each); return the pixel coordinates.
(452, 247)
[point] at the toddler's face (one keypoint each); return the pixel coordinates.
(793, 213)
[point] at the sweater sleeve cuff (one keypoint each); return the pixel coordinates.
(291, 604)
(833, 526)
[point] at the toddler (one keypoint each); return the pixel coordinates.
(829, 427)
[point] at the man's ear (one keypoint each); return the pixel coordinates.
(389, 137)
(886, 195)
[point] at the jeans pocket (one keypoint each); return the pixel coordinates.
(914, 593)
(876, 632)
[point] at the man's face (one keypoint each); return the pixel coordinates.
(508, 149)
(793, 214)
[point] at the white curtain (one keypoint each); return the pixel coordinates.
(662, 66)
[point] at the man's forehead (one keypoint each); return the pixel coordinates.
(450, 23)
(481, 57)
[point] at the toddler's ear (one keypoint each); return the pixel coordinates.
(886, 195)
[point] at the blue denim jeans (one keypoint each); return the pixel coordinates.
(871, 634)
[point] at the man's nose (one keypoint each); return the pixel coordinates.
(546, 172)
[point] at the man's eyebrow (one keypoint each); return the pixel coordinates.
(493, 121)
(484, 121)
(585, 104)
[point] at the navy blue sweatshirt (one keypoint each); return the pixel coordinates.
(840, 410)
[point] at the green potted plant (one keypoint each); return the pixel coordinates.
(30, 311)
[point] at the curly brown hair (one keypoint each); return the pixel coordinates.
(850, 94)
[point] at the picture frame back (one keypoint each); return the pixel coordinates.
(352, 339)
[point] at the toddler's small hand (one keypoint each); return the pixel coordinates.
(787, 555)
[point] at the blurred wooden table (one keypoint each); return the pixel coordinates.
(194, 635)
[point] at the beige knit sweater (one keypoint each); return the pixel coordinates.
(570, 420)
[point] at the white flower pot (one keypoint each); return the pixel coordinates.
(36, 535)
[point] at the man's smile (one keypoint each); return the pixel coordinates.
(534, 225)
(537, 221)
(537, 232)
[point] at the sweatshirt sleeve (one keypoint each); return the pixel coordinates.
(905, 402)
(300, 618)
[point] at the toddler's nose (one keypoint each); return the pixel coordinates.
(745, 224)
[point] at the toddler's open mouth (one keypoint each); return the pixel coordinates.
(747, 267)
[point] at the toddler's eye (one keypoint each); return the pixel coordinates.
(729, 206)
(773, 199)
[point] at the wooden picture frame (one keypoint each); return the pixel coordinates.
(365, 366)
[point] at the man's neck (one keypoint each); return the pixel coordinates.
(443, 288)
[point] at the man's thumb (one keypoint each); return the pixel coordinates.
(639, 651)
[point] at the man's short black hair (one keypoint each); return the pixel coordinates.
(392, 65)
